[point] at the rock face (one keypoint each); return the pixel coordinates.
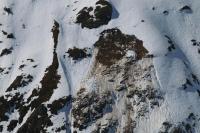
(87, 108)
(78, 54)
(128, 79)
(39, 120)
(20, 81)
(102, 13)
(186, 126)
(113, 45)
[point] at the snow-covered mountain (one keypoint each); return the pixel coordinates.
(99, 66)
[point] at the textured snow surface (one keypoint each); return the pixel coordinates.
(165, 30)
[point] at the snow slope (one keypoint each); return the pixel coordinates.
(170, 34)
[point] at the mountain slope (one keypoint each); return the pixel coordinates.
(99, 66)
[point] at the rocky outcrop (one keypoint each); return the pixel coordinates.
(102, 13)
(113, 45)
(123, 83)
(186, 126)
(89, 107)
(78, 54)
(20, 81)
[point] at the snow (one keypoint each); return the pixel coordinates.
(35, 41)
(131, 53)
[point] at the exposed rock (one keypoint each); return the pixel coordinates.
(165, 12)
(102, 15)
(122, 85)
(186, 126)
(6, 51)
(130, 79)
(109, 126)
(8, 10)
(58, 130)
(20, 81)
(11, 36)
(22, 66)
(113, 45)
(186, 9)
(58, 104)
(129, 128)
(55, 31)
(31, 60)
(48, 83)
(78, 54)
(51, 78)
(87, 108)
(1, 69)
(172, 45)
(12, 125)
(8, 105)
(4, 32)
(37, 122)
(1, 128)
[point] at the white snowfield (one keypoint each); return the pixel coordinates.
(31, 24)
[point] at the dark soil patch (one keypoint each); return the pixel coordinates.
(113, 45)
(102, 15)
(77, 54)
(6, 51)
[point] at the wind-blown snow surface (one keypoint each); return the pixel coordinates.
(175, 70)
